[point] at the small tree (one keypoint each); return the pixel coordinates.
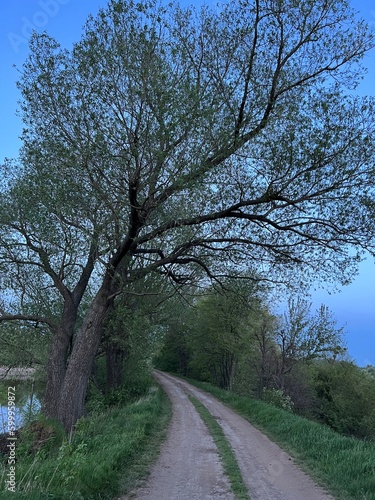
(222, 331)
(265, 352)
(302, 337)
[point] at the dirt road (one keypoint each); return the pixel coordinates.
(189, 467)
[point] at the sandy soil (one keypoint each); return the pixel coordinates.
(189, 468)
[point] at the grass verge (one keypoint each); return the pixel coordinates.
(229, 461)
(346, 466)
(107, 456)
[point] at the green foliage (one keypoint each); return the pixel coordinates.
(23, 345)
(370, 371)
(137, 382)
(106, 448)
(301, 339)
(132, 334)
(277, 397)
(221, 331)
(230, 339)
(174, 354)
(346, 398)
(40, 437)
(344, 465)
(30, 411)
(306, 336)
(134, 388)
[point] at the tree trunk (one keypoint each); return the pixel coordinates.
(233, 370)
(115, 357)
(56, 369)
(183, 361)
(261, 380)
(57, 360)
(73, 393)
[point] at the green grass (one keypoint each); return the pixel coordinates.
(345, 466)
(107, 456)
(229, 461)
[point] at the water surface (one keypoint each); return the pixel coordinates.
(27, 401)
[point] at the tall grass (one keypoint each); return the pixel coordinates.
(346, 466)
(107, 456)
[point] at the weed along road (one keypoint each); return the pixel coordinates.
(189, 467)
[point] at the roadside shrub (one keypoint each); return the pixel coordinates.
(277, 398)
(345, 399)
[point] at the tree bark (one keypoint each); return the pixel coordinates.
(57, 361)
(74, 388)
(115, 357)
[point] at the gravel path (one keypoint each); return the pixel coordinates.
(189, 467)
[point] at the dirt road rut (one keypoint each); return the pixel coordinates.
(189, 467)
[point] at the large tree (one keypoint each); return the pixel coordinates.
(169, 138)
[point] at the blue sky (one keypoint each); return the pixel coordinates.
(354, 305)
(63, 19)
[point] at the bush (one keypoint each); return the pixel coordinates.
(345, 399)
(277, 398)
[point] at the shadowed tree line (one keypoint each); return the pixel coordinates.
(296, 360)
